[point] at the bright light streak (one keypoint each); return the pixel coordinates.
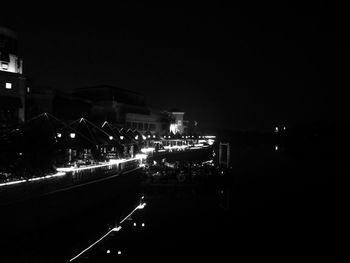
(141, 156)
(209, 136)
(34, 179)
(199, 144)
(13, 182)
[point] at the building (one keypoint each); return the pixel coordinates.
(178, 124)
(123, 108)
(12, 81)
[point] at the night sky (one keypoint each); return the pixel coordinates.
(244, 67)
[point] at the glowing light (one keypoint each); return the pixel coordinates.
(108, 251)
(199, 144)
(141, 206)
(209, 136)
(147, 150)
(119, 252)
(284, 128)
(20, 153)
(116, 229)
(141, 156)
(276, 147)
(143, 197)
(144, 137)
(143, 225)
(33, 179)
(211, 141)
(135, 224)
(121, 137)
(59, 135)
(110, 138)
(276, 129)
(136, 137)
(72, 135)
(154, 136)
(8, 85)
(148, 136)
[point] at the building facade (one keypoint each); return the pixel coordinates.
(12, 81)
(123, 108)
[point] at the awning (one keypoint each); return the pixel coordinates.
(7, 102)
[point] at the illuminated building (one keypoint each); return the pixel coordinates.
(178, 124)
(123, 108)
(12, 82)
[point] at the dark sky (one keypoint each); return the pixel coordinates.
(244, 67)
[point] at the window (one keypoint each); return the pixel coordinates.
(8, 85)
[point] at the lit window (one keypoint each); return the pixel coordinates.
(8, 85)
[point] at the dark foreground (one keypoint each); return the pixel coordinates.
(273, 206)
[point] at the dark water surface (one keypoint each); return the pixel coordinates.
(272, 206)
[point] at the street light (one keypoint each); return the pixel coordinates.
(72, 135)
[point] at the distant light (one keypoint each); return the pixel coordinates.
(154, 162)
(149, 136)
(276, 147)
(154, 136)
(116, 229)
(121, 137)
(144, 137)
(136, 137)
(284, 128)
(110, 137)
(135, 224)
(20, 153)
(119, 252)
(28, 89)
(143, 225)
(183, 136)
(142, 197)
(8, 85)
(141, 206)
(108, 251)
(72, 135)
(276, 129)
(59, 135)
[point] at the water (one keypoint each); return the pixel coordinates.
(272, 206)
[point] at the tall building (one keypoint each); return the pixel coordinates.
(12, 82)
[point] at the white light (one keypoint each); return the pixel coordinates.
(284, 128)
(119, 252)
(136, 137)
(110, 137)
(59, 135)
(121, 137)
(276, 147)
(117, 229)
(141, 156)
(149, 136)
(147, 150)
(20, 153)
(8, 85)
(143, 224)
(154, 136)
(135, 224)
(142, 197)
(141, 206)
(72, 135)
(144, 137)
(276, 129)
